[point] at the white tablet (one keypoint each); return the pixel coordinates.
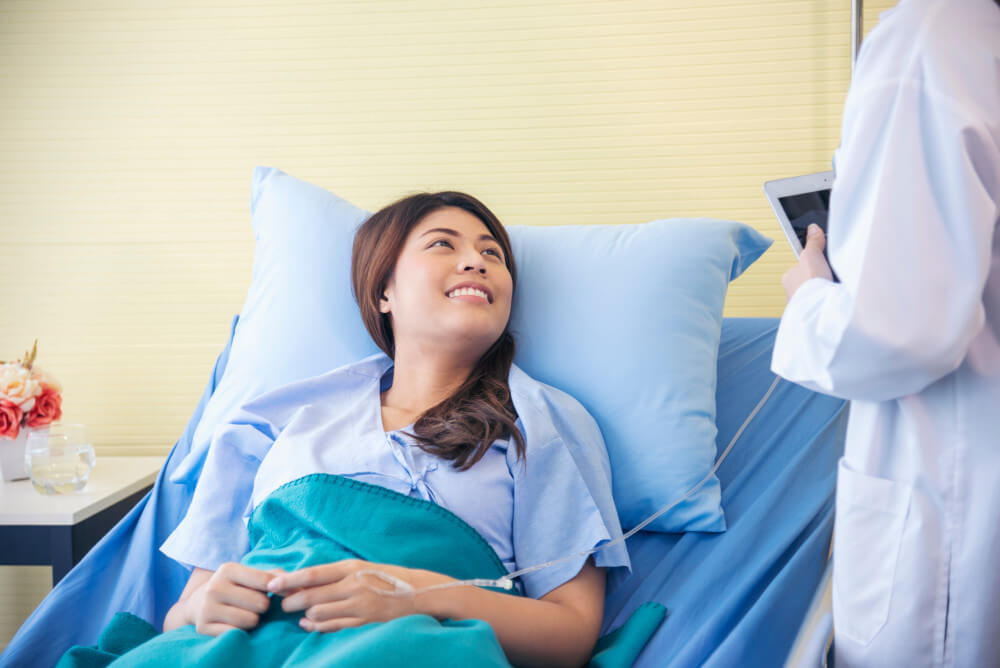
(799, 201)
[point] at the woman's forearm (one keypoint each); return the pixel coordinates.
(531, 631)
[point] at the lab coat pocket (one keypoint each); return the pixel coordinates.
(868, 531)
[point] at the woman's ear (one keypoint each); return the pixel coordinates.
(383, 303)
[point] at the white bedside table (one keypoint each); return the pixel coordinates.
(38, 529)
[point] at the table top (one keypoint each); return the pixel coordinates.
(113, 479)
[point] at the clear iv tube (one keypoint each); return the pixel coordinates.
(403, 588)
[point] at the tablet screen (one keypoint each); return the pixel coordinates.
(805, 209)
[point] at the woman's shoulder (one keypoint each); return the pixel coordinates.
(549, 413)
(347, 378)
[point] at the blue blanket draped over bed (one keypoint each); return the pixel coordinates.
(735, 598)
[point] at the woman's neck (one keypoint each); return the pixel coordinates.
(421, 381)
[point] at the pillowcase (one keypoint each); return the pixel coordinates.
(625, 318)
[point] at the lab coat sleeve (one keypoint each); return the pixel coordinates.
(910, 231)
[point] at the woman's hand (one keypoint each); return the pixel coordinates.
(812, 263)
(335, 598)
(233, 597)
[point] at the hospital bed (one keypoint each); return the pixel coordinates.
(740, 597)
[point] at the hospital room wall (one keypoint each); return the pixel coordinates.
(129, 132)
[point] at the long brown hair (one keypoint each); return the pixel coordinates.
(462, 427)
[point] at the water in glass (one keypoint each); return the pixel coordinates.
(59, 460)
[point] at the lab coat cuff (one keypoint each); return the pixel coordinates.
(801, 355)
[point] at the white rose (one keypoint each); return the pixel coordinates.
(18, 387)
(45, 379)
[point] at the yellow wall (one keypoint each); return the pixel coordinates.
(128, 132)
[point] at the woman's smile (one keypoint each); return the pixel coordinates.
(474, 293)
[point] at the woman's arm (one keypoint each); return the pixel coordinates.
(559, 629)
(234, 596)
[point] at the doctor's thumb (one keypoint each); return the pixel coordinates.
(815, 238)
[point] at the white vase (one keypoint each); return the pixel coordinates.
(12, 456)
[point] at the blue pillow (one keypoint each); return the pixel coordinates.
(626, 318)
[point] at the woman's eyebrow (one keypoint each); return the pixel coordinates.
(451, 232)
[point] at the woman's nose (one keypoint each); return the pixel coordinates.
(473, 262)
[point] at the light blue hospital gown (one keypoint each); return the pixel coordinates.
(555, 502)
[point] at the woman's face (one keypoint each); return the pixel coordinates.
(450, 288)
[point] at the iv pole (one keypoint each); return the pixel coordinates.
(857, 16)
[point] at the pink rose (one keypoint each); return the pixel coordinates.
(48, 408)
(10, 419)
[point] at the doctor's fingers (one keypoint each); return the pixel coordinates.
(815, 237)
(812, 261)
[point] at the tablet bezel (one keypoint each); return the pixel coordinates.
(794, 185)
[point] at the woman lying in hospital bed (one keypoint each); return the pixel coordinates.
(434, 462)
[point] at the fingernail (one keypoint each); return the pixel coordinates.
(273, 585)
(813, 228)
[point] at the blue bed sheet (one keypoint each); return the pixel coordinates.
(735, 598)
(738, 598)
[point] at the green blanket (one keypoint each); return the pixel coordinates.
(323, 518)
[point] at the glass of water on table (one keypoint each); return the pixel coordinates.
(59, 459)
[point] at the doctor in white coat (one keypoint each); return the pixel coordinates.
(912, 337)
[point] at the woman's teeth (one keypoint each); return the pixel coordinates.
(468, 291)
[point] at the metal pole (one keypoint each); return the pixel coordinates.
(857, 17)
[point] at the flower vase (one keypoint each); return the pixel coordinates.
(12, 456)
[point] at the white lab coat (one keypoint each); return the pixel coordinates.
(912, 338)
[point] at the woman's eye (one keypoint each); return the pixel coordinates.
(441, 241)
(495, 252)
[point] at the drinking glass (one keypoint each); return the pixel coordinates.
(59, 459)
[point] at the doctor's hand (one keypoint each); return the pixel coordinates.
(812, 263)
(335, 598)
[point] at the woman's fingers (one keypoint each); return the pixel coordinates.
(232, 598)
(331, 625)
(240, 586)
(232, 616)
(315, 576)
(213, 629)
(215, 618)
(306, 598)
(241, 597)
(246, 576)
(324, 612)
